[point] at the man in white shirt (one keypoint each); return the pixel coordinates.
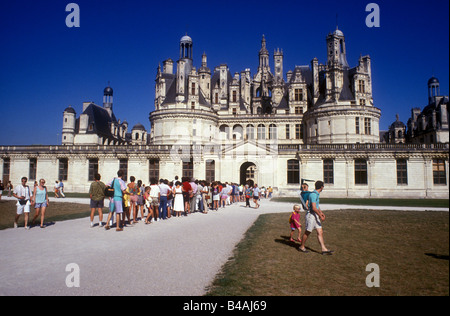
(163, 192)
(23, 193)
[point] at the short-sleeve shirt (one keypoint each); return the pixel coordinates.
(119, 186)
(97, 191)
(313, 198)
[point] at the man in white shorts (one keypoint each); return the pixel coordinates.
(23, 193)
(313, 219)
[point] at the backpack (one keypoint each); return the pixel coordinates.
(109, 191)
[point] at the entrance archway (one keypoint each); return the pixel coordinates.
(248, 173)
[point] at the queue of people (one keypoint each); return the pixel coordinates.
(163, 199)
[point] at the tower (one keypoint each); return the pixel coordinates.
(68, 130)
(433, 89)
(278, 62)
(337, 53)
(108, 99)
(263, 56)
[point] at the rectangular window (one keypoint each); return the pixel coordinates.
(6, 168)
(298, 94)
(288, 131)
(32, 169)
(188, 168)
(93, 169)
(439, 176)
(210, 171)
(234, 96)
(193, 89)
(328, 171)
(402, 172)
(360, 171)
(362, 86)
(298, 110)
(298, 131)
(153, 170)
(293, 171)
(367, 126)
(63, 169)
(357, 125)
(123, 165)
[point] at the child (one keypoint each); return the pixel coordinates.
(294, 221)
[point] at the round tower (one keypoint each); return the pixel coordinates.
(68, 131)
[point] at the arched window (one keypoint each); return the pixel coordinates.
(250, 132)
(238, 132)
(224, 132)
(273, 131)
(261, 131)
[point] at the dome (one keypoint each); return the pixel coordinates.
(138, 126)
(338, 32)
(70, 109)
(108, 91)
(186, 39)
(433, 80)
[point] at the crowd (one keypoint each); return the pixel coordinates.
(134, 201)
(163, 199)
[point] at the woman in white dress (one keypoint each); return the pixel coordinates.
(178, 203)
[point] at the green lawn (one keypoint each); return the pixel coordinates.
(410, 248)
(444, 203)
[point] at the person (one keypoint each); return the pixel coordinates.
(294, 221)
(187, 190)
(248, 195)
(23, 195)
(40, 201)
(1, 189)
(119, 190)
(270, 191)
(134, 192)
(178, 201)
(170, 200)
(9, 187)
(314, 218)
(140, 201)
(56, 189)
(193, 196)
(256, 192)
(147, 202)
(304, 195)
(215, 192)
(164, 192)
(61, 189)
(154, 201)
(97, 196)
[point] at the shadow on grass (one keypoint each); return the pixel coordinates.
(436, 256)
(286, 240)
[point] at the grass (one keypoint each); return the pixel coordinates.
(57, 211)
(444, 203)
(411, 249)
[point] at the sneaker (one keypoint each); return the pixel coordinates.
(15, 225)
(27, 227)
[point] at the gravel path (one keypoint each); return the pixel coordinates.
(176, 257)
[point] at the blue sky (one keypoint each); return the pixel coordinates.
(46, 66)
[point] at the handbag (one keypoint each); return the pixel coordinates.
(109, 191)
